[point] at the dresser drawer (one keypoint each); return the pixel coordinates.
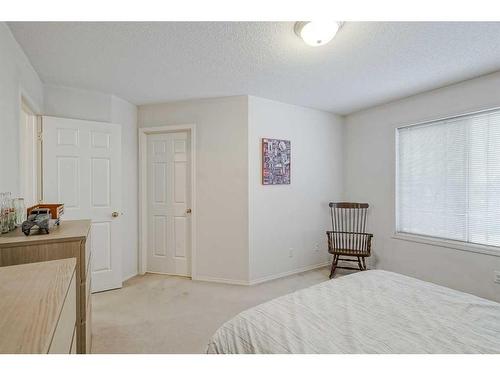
(63, 335)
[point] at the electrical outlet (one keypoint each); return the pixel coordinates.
(316, 248)
(290, 252)
(497, 277)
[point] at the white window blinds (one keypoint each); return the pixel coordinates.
(448, 179)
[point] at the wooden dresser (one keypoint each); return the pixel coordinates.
(70, 240)
(38, 308)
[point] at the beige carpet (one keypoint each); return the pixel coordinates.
(168, 314)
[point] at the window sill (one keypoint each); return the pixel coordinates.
(474, 248)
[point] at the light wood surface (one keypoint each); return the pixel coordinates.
(70, 240)
(61, 342)
(32, 301)
(67, 231)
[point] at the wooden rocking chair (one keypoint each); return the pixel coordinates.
(348, 237)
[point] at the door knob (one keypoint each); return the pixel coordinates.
(115, 214)
(188, 211)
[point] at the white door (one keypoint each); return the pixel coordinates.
(82, 169)
(169, 224)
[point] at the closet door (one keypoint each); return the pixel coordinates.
(169, 219)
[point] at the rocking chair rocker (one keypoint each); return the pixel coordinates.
(348, 237)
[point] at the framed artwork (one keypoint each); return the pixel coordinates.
(275, 161)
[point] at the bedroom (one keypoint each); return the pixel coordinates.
(215, 174)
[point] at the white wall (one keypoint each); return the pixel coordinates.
(97, 106)
(222, 180)
(296, 215)
(77, 103)
(369, 176)
(17, 79)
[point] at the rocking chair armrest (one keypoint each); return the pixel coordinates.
(365, 245)
(328, 232)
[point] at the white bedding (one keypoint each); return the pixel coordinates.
(366, 312)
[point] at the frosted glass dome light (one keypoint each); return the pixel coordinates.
(317, 33)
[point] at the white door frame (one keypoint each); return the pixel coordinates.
(143, 210)
(31, 141)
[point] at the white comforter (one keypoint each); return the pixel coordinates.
(367, 312)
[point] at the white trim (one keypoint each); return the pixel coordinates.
(396, 179)
(39, 156)
(262, 279)
(167, 274)
(450, 117)
(441, 242)
(143, 132)
(28, 153)
(221, 280)
(288, 273)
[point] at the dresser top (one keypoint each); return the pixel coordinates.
(68, 230)
(31, 299)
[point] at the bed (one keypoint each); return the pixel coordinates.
(367, 312)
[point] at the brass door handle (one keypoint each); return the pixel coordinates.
(188, 211)
(115, 214)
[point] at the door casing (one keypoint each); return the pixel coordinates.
(143, 181)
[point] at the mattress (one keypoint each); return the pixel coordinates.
(366, 312)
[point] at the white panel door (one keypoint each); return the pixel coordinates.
(169, 223)
(82, 169)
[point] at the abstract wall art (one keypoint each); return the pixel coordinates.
(275, 161)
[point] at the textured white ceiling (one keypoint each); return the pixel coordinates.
(367, 63)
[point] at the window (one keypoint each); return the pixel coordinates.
(448, 179)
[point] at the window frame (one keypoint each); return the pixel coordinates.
(431, 240)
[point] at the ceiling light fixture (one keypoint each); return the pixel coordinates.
(317, 33)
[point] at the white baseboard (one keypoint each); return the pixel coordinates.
(220, 280)
(256, 281)
(288, 273)
(168, 274)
